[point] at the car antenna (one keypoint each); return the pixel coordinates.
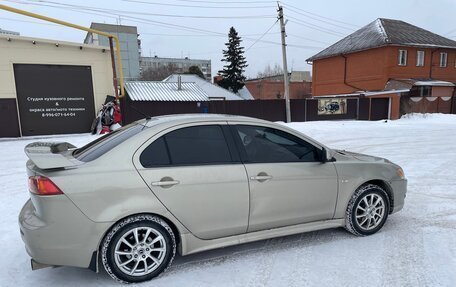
(146, 116)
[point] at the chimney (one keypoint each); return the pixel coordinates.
(179, 83)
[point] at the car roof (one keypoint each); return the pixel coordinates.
(186, 118)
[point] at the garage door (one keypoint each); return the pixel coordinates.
(54, 99)
(379, 109)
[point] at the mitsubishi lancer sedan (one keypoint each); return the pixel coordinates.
(189, 183)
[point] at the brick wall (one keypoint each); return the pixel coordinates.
(273, 90)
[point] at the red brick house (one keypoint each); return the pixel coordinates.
(387, 55)
(265, 89)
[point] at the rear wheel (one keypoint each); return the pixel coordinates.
(367, 210)
(138, 248)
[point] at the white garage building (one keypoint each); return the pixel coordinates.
(51, 87)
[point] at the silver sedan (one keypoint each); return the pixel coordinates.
(188, 183)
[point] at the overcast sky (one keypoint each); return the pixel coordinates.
(199, 28)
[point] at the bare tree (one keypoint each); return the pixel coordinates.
(270, 71)
(159, 73)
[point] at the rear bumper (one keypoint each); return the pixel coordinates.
(59, 234)
(399, 192)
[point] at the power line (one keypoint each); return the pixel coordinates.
(53, 6)
(145, 13)
(227, 2)
(198, 6)
(316, 19)
(323, 17)
(315, 27)
(454, 30)
(153, 22)
(305, 47)
(33, 22)
(308, 39)
(222, 34)
(199, 35)
(261, 37)
(137, 19)
(218, 51)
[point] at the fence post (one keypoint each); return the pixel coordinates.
(305, 110)
(357, 108)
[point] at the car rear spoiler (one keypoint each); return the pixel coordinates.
(48, 155)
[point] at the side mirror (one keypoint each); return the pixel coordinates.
(323, 155)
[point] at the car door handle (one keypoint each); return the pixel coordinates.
(261, 178)
(165, 183)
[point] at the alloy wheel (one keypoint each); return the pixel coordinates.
(370, 211)
(140, 251)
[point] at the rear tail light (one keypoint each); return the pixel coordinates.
(41, 185)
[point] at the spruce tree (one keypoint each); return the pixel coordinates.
(232, 73)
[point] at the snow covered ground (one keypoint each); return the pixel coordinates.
(416, 247)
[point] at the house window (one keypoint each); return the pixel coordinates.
(443, 59)
(420, 58)
(421, 91)
(402, 60)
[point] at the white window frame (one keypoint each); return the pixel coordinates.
(443, 56)
(420, 55)
(402, 56)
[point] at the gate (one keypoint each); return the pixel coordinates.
(54, 99)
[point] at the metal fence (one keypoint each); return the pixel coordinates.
(272, 110)
(445, 105)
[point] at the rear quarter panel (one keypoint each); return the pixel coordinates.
(109, 188)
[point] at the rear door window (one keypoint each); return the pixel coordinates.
(196, 145)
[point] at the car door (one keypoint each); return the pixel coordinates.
(197, 175)
(288, 182)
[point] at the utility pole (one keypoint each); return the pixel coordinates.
(285, 68)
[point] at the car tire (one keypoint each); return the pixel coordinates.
(367, 210)
(138, 248)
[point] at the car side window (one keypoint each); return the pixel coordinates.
(156, 154)
(188, 146)
(263, 144)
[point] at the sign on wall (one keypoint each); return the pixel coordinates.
(332, 106)
(54, 99)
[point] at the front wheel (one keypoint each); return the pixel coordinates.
(367, 210)
(138, 248)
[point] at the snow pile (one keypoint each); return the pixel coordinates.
(441, 118)
(415, 248)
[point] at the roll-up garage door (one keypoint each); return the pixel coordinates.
(54, 99)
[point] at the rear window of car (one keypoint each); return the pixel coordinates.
(102, 145)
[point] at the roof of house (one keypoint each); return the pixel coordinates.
(382, 32)
(213, 91)
(245, 94)
(163, 91)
